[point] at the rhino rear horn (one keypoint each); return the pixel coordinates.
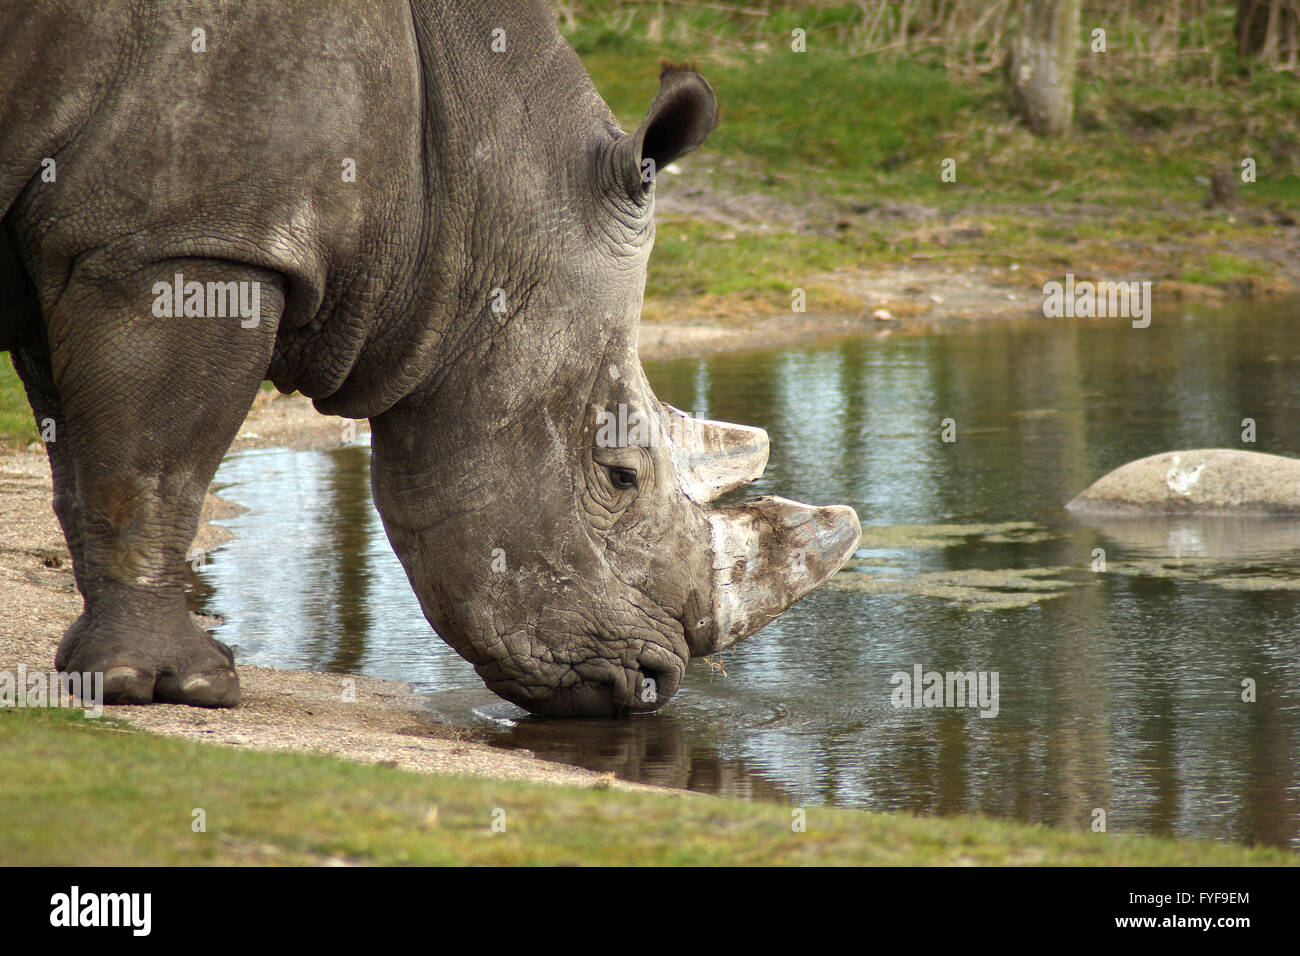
(714, 457)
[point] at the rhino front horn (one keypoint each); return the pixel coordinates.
(769, 553)
(714, 457)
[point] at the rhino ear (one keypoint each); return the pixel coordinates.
(681, 117)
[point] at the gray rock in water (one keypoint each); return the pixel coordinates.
(1205, 481)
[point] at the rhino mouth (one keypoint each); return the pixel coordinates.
(599, 687)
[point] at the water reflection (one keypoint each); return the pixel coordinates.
(1120, 690)
(1213, 538)
(648, 750)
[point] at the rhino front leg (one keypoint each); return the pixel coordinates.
(150, 404)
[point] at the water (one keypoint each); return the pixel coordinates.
(1118, 690)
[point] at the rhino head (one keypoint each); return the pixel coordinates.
(554, 518)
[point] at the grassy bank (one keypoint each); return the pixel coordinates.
(875, 124)
(878, 125)
(133, 798)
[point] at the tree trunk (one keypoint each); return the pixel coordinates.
(1040, 64)
(1268, 28)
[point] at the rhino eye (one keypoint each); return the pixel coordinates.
(623, 478)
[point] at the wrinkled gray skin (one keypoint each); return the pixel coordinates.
(477, 170)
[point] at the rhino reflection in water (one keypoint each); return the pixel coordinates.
(448, 232)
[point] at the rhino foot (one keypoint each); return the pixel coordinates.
(180, 664)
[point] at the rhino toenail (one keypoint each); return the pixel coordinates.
(122, 673)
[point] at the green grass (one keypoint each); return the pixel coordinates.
(878, 124)
(1220, 267)
(692, 257)
(17, 424)
(78, 791)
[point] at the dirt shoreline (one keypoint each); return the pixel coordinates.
(904, 301)
(387, 723)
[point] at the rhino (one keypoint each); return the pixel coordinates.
(416, 212)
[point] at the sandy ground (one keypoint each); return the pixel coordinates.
(904, 301)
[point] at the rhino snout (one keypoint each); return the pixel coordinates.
(599, 687)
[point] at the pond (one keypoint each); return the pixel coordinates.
(1121, 651)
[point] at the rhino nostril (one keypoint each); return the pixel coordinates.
(697, 631)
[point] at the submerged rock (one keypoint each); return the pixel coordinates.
(1205, 481)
